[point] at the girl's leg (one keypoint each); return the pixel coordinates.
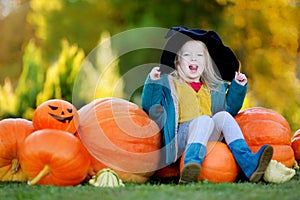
(253, 165)
(225, 127)
(195, 137)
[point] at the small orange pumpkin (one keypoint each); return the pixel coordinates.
(56, 114)
(296, 145)
(264, 126)
(120, 135)
(12, 134)
(218, 165)
(54, 157)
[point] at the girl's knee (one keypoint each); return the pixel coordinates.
(222, 115)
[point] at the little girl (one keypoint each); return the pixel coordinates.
(190, 98)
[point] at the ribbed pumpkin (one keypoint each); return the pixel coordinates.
(56, 114)
(120, 135)
(296, 145)
(218, 165)
(54, 157)
(12, 134)
(265, 126)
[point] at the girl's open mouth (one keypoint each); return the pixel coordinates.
(193, 68)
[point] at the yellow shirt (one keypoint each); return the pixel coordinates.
(192, 104)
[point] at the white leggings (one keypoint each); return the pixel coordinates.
(204, 128)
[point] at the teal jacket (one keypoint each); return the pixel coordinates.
(160, 101)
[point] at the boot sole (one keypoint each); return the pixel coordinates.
(264, 161)
(190, 173)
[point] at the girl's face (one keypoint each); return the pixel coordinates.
(191, 60)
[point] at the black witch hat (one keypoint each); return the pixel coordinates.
(225, 60)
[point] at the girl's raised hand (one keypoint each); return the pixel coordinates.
(241, 78)
(155, 73)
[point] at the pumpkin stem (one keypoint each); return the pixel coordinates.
(41, 174)
(15, 165)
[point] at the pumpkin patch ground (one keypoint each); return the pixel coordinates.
(66, 147)
(156, 190)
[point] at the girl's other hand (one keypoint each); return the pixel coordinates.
(241, 78)
(155, 73)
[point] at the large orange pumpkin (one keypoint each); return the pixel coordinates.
(218, 165)
(120, 135)
(56, 114)
(296, 145)
(54, 157)
(265, 126)
(12, 134)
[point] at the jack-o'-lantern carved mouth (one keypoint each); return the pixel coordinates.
(62, 119)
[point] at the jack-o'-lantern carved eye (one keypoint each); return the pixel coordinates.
(56, 114)
(53, 107)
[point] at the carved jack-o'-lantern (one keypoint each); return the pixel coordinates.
(56, 114)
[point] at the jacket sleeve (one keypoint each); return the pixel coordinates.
(157, 102)
(235, 97)
(152, 100)
(152, 94)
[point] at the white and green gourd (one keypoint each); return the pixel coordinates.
(106, 178)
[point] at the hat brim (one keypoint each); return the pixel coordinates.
(224, 58)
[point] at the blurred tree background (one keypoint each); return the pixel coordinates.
(45, 43)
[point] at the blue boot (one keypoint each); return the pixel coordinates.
(194, 155)
(253, 165)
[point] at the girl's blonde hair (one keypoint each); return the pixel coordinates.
(210, 75)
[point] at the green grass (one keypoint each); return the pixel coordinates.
(151, 191)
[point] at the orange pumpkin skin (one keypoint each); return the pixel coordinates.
(264, 126)
(56, 114)
(296, 145)
(120, 135)
(218, 165)
(12, 134)
(63, 154)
